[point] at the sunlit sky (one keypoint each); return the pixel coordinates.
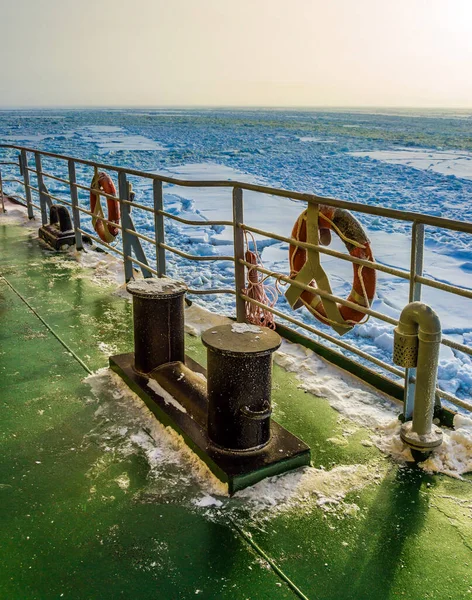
(396, 53)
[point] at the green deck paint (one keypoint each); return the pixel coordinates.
(411, 535)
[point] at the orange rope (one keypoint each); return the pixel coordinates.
(258, 290)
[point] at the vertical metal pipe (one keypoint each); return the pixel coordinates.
(416, 265)
(1, 192)
(123, 190)
(42, 200)
(26, 179)
(238, 238)
(426, 376)
(417, 342)
(159, 227)
(74, 197)
(416, 268)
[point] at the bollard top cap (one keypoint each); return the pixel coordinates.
(156, 288)
(241, 339)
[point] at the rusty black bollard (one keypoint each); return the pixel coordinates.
(239, 372)
(158, 313)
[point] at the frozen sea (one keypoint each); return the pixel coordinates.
(410, 160)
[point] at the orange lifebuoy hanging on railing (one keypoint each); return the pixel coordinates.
(340, 317)
(102, 182)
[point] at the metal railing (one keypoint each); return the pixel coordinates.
(131, 243)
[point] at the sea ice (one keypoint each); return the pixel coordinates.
(445, 162)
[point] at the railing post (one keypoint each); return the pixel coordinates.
(1, 192)
(238, 237)
(42, 200)
(159, 227)
(123, 191)
(416, 268)
(26, 179)
(74, 197)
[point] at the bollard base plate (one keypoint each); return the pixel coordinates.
(239, 470)
(56, 238)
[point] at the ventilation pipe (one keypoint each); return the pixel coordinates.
(416, 344)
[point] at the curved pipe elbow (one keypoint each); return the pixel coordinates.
(418, 317)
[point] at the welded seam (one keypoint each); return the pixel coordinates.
(58, 338)
(247, 538)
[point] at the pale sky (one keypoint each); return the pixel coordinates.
(236, 53)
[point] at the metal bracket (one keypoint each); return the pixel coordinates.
(138, 249)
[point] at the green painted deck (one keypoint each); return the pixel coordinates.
(69, 529)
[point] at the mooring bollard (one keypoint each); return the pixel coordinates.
(226, 419)
(59, 231)
(239, 373)
(158, 314)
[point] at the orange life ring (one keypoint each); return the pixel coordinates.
(357, 243)
(103, 182)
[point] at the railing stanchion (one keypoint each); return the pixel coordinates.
(1, 192)
(123, 192)
(238, 236)
(159, 227)
(74, 197)
(416, 268)
(42, 199)
(26, 179)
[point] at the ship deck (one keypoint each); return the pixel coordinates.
(71, 530)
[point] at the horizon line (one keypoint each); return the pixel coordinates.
(225, 107)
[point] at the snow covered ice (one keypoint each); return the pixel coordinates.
(448, 163)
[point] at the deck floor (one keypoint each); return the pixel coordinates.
(83, 519)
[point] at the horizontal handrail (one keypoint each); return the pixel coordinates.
(49, 176)
(444, 286)
(324, 250)
(52, 196)
(210, 291)
(326, 336)
(17, 196)
(140, 236)
(453, 399)
(99, 241)
(321, 293)
(456, 346)
(360, 261)
(311, 198)
(88, 212)
(195, 257)
(367, 263)
(189, 222)
(95, 191)
(139, 206)
(141, 264)
(13, 180)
